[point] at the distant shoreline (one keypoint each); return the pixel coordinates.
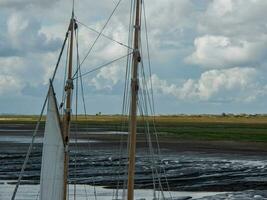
(192, 128)
(224, 117)
(169, 142)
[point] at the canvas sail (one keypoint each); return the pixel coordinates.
(52, 170)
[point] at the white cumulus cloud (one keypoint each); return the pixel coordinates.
(234, 84)
(24, 35)
(223, 52)
(9, 85)
(239, 18)
(108, 77)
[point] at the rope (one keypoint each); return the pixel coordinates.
(29, 151)
(101, 66)
(37, 125)
(103, 28)
(124, 107)
(143, 109)
(126, 99)
(150, 100)
(37, 196)
(148, 138)
(105, 36)
(64, 82)
(143, 102)
(59, 57)
(149, 61)
(84, 107)
(76, 117)
(146, 99)
(85, 190)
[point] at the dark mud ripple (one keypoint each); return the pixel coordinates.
(184, 171)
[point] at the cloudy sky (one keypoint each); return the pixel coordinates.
(208, 56)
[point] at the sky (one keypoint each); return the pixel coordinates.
(207, 56)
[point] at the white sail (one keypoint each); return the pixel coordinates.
(52, 170)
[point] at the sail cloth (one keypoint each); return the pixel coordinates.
(52, 170)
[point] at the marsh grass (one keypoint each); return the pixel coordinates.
(195, 127)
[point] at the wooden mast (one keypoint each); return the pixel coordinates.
(67, 115)
(134, 97)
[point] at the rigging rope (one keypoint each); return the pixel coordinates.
(37, 125)
(126, 99)
(103, 28)
(63, 98)
(144, 112)
(150, 100)
(105, 36)
(84, 105)
(147, 98)
(101, 66)
(143, 98)
(76, 115)
(146, 103)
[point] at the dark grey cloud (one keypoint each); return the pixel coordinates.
(34, 90)
(19, 4)
(22, 35)
(6, 50)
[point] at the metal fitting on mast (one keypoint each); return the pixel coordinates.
(69, 85)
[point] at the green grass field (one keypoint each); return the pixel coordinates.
(201, 127)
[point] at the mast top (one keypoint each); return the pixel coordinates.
(72, 15)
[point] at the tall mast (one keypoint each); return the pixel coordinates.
(67, 115)
(134, 97)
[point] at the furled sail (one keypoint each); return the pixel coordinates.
(52, 170)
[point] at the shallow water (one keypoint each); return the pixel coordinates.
(38, 140)
(209, 176)
(31, 192)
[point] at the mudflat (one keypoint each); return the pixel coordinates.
(107, 137)
(190, 164)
